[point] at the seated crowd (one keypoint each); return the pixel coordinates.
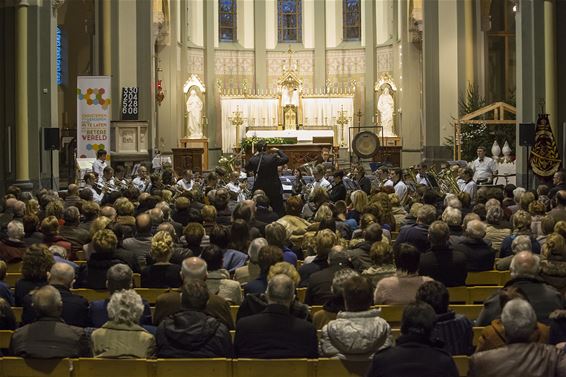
(208, 252)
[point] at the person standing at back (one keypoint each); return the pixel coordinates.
(264, 165)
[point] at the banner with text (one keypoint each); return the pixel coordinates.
(93, 115)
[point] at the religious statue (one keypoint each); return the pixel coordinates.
(194, 115)
(386, 107)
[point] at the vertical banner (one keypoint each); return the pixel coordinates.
(93, 115)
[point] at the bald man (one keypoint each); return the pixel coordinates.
(525, 268)
(75, 307)
(140, 244)
(49, 337)
(193, 268)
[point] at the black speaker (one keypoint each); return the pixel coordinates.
(50, 139)
(526, 134)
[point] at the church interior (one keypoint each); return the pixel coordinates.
(212, 75)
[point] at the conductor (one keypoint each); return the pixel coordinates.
(264, 166)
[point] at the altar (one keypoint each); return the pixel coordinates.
(298, 154)
(288, 111)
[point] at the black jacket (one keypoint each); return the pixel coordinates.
(338, 192)
(49, 338)
(416, 235)
(360, 256)
(444, 265)
(192, 334)
(413, 356)
(365, 184)
(479, 254)
(161, 276)
(543, 298)
(75, 309)
(306, 270)
(255, 303)
(267, 177)
(320, 284)
(275, 334)
(93, 274)
(25, 286)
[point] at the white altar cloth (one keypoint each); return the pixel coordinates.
(303, 136)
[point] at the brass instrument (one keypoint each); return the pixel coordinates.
(445, 180)
(228, 163)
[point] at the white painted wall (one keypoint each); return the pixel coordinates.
(308, 23)
(334, 30)
(384, 21)
(245, 21)
(270, 24)
(195, 9)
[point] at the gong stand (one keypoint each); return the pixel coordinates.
(366, 151)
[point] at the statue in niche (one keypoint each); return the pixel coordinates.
(289, 96)
(194, 116)
(386, 107)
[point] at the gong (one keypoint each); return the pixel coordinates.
(365, 144)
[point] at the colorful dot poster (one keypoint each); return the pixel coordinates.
(94, 111)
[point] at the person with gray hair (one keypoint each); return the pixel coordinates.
(121, 336)
(520, 353)
(72, 232)
(417, 234)
(495, 231)
(335, 304)
(453, 218)
(75, 307)
(520, 243)
(13, 247)
(479, 255)
(319, 288)
(544, 298)
(49, 337)
(283, 335)
(250, 271)
(169, 303)
(118, 278)
(192, 332)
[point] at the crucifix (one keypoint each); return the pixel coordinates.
(237, 121)
(342, 120)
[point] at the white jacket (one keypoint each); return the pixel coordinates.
(355, 335)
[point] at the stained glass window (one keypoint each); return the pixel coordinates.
(227, 20)
(352, 20)
(290, 20)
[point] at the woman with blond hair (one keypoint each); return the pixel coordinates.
(161, 274)
(359, 202)
(521, 226)
(553, 264)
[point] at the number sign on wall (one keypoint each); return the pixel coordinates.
(130, 103)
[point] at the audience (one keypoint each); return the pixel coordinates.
(415, 354)
(122, 336)
(276, 333)
(454, 330)
(401, 288)
(267, 257)
(478, 251)
(218, 279)
(140, 244)
(220, 236)
(358, 331)
(93, 275)
(251, 270)
(325, 240)
(36, 262)
(441, 262)
(320, 282)
(334, 304)
(12, 248)
(49, 337)
(192, 332)
(383, 265)
(360, 255)
(162, 273)
(521, 355)
(417, 234)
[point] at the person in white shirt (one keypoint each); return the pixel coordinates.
(90, 180)
(100, 163)
(401, 189)
(106, 180)
(483, 167)
(141, 182)
(421, 175)
(187, 182)
(467, 184)
(236, 188)
(319, 180)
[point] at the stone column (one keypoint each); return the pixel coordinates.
(368, 85)
(550, 77)
(469, 39)
(431, 78)
(212, 100)
(106, 37)
(259, 45)
(22, 108)
(320, 44)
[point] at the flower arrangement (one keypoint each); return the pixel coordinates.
(247, 142)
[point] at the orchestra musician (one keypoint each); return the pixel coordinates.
(187, 182)
(422, 175)
(264, 166)
(338, 190)
(90, 182)
(467, 184)
(319, 180)
(236, 188)
(324, 157)
(100, 163)
(483, 167)
(401, 189)
(141, 182)
(106, 180)
(119, 176)
(363, 181)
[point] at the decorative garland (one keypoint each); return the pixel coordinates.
(247, 142)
